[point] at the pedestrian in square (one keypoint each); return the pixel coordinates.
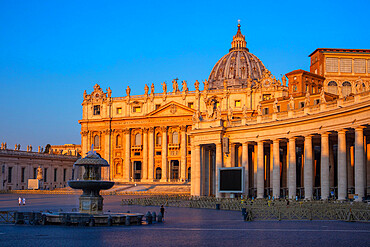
(162, 212)
(19, 201)
(24, 201)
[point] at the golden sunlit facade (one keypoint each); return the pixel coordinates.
(300, 138)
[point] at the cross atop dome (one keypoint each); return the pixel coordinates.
(239, 42)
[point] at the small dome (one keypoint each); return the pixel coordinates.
(92, 158)
(237, 67)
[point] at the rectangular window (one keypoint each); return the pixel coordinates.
(368, 66)
(10, 171)
(346, 65)
(238, 103)
(316, 102)
(45, 175)
(34, 173)
(64, 174)
(191, 105)
(55, 174)
(23, 171)
(158, 153)
(266, 96)
(265, 111)
(301, 104)
(331, 64)
(119, 110)
(136, 109)
(278, 108)
(96, 109)
(360, 65)
(157, 106)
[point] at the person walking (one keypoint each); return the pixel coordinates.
(19, 201)
(24, 201)
(162, 212)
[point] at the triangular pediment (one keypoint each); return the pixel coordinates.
(172, 109)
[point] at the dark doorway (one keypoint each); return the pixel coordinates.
(137, 169)
(158, 173)
(174, 169)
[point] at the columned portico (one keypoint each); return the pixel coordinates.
(342, 165)
(145, 154)
(359, 163)
(164, 154)
(183, 154)
(324, 166)
(308, 169)
(219, 162)
(276, 169)
(245, 164)
(127, 176)
(260, 170)
(292, 176)
(151, 155)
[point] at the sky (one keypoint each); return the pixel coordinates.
(51, 51)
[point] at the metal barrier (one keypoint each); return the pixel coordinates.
(7, 217)
(265, 209)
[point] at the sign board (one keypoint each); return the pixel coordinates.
(33, 184)
(231, 180)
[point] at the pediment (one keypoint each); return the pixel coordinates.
(172, 109)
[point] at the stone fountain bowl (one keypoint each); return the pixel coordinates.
(90, 184)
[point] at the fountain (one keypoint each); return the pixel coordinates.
(91, 201)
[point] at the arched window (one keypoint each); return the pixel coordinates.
(118, 168)
(175, 137)
(346, 88)
(138, 139)
(96, 141)
(158, 139)
(158, 173)
(118, 141)
(333, 87)
(189, 174)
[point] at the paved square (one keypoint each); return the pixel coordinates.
(182, 227)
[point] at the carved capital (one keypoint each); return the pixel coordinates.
(126, 131)
(151, 129)
(183, 127)
(145, 130)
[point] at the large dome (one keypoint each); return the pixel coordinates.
(237, 67)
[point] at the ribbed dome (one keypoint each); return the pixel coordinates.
(237, 66)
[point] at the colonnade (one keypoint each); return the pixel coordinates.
(324, 166)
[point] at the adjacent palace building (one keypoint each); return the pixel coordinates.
(310, 138)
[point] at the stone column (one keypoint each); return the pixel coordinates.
(218, 165)
(145, 155)
(127, 176)
(292, 176)
(308, 170)
(183, 154)
(260, 170)
(359, 163)
(342, 169)
(246, 166)
(192, 171)
(151, 155)
(164, 154)
(325, 184)
(276, 169)
(197, 172)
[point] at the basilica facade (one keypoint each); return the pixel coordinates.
(304, 135)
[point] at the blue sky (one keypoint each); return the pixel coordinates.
(51, 51)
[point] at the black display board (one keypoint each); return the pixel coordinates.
(231, 180)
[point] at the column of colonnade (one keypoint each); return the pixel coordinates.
(359, 157)
(148, 153)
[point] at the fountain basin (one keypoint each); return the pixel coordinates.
(90, 184)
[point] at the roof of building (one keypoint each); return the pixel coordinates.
(299, 71)
(339, 50)
(237, 66)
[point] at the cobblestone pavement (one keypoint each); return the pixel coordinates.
(182, 227)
